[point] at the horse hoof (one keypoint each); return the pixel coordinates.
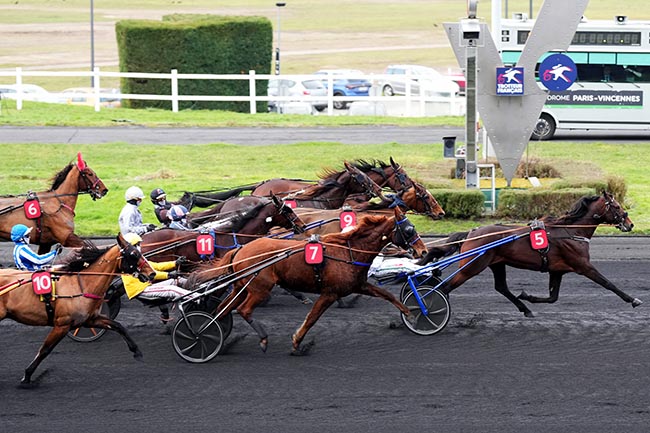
(529, 314)
(303, 350)
(138, 356)
(636, 302)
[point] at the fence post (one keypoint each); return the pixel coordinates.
(96, 87)
(252, 92)
(19, 84)
(174, 83)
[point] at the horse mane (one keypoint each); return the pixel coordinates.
(80, 259)
(579, 210)
(366, 166)
(366, 223)
(58, 178)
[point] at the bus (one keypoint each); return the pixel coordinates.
(611, 89)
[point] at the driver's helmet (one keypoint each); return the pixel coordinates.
(133, 238)
(177, 212)
(133, 193)
(20, 232)
(157, 195)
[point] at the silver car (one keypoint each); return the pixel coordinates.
(299, 89)
(431, 81)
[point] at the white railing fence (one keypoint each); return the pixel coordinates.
(410, 104)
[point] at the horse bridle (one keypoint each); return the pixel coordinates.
(92, 188)
(129, 264)
(405, 232)
(287, 212)
(618, 218)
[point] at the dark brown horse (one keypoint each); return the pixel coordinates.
(568, 250)
(83, 279)
(240, 220)
(56, 220)
(344, 270)
(416, 199)
(390, 176)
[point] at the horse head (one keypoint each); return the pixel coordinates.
(92, 184)
(297, 225)
(364, 181)
(611, 212)
(133, 262)
(418, 199)
(399, 173)
(404, 235)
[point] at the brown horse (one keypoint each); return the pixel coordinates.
(391, 176)
(344, 270)
(568, 250)
(56, 220)
(240, 220)
(82, 282)
(416, 199)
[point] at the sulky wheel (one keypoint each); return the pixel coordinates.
(197, 337)
(432, 281)
(83, 334)
(210, 305)
(438, 311)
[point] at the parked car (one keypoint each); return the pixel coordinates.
(86, 96)
(31, 92)
(284, 87)
(345, 86)
(431, 81)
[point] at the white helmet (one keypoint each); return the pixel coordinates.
(133, 193)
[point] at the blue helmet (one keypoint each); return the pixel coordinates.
(19, 232)
(177, 212)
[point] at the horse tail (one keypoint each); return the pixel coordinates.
(207, 198)
(450, 246)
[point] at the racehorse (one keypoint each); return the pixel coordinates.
(210, 198)
(568, 250)
(55, 220)
(241, 220)
(83, 278)
(344, 269)
(391, 176)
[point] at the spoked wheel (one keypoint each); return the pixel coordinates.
(432, 281)
(210, 306)
(197, 338)
(438, 311)
(85, 335)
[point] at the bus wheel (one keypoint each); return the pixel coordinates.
(544, 129)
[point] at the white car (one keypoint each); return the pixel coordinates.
(30, 92)
(431, 81)
(284, 87)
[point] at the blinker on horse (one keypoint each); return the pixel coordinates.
(75, 296)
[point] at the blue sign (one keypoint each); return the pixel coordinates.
(557, 72)
(510, 81)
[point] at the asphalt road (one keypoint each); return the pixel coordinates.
(580, 365)
(377, 134)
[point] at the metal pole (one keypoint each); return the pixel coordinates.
(279, 5)
(92, 41)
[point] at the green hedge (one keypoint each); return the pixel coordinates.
(531, 204)
(195, 44)
(460, 203)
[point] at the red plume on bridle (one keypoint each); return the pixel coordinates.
(81, 165)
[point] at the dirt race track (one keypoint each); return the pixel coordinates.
(581, 365)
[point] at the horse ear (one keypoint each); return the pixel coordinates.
(81, 165)
(393, 163)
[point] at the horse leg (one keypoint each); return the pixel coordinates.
(554, 281)
(377, 292)
(501, 286)
(113, 325)
(53, 338)
(323, 302)
(73, 241)
(245, 310)
(592, 273)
